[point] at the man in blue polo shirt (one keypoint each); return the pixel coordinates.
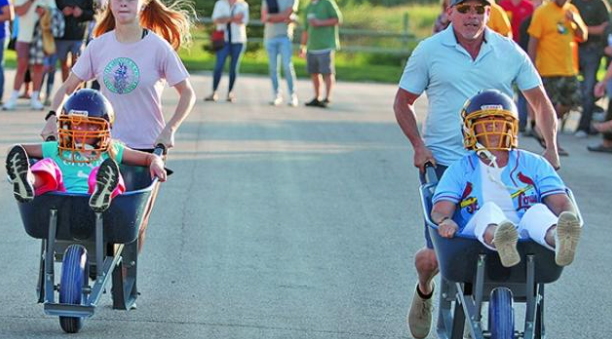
(451, 67)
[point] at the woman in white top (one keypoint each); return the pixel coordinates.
(230, 16)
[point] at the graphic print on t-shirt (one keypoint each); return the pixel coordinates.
(121, 75)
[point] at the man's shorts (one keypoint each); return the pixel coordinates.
(439, 171)
(64, 47)
(563, 90)
(320, 63)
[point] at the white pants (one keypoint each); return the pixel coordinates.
(534, 224)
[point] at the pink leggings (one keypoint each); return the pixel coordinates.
(53, 180)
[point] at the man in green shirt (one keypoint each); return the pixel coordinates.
(320, 40)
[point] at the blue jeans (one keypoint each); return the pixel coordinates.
(590, 58)
(280, 46)
(2, 49)
(234, 51)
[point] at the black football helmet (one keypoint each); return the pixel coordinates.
(482, 115)
(85, 106)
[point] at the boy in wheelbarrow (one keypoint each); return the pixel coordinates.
(499, 193)
(83, 160)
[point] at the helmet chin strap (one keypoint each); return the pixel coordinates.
(483, 151)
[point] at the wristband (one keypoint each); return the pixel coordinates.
(50, 114)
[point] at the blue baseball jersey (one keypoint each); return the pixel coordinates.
(528, 177)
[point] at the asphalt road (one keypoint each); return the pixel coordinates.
(292, 223)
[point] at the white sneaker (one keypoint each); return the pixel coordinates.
(294, 101)
(10, 105)
(20, 175)
(107, 180)
(505, 239)
(36, 105)
(276, 101)
(419, 315)
(566, 238)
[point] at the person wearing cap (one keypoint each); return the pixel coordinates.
(451, 67)
(555, 29)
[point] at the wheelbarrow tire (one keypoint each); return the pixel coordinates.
(71, 284)
(501, 314)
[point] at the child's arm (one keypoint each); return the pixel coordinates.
(33, 150)
(150, 160)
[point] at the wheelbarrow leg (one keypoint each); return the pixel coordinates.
(41, 273)
(124, 289)
(539, 327)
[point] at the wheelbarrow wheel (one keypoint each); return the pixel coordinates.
(501, 314)
(71, 284)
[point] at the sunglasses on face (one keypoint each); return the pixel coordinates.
(463, 9)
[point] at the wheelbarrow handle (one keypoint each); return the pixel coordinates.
(430, 173)
(160, 150)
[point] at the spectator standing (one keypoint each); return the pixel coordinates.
(498, 20)
(525, 113)
(605, 128)
(320, 40)
(595, 14)
(26, 10)
(278, 16)
(76, 15)
(517, 11)
(6, 15)
(554, 30)
(230, 16)
(47, 29)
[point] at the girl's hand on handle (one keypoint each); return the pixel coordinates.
(157, 169)
(50, 129)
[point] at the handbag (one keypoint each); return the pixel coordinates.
(217, 40)
(48, 41)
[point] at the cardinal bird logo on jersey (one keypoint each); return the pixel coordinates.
(471, 203)
(525, 196)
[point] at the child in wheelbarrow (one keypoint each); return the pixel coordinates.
(84, 160)
(500, 193)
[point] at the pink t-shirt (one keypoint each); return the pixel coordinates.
(132, 76)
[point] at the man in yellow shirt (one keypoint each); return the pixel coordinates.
(498, 21)
(555, 28)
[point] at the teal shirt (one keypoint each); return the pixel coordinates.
(75, 175)
(322, 38)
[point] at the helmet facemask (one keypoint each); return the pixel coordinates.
(75, 130)
(491, 129)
